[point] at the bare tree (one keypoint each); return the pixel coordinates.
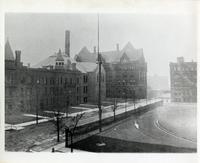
(59, 123)
(70, 127)
(114, 108)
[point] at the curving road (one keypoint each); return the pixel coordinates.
(153, 125)
(167, 125)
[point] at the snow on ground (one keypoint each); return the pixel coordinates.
(180, 119)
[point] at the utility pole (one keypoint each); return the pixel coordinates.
(99, 63)
(37, 101)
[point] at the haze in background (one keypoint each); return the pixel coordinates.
(162, 37)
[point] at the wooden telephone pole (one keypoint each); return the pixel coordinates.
(99, 63)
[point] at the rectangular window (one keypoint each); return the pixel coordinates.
(65, 80)
(85, 79)
(85, 99)
(61, 80)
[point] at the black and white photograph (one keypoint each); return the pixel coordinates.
(100, 83)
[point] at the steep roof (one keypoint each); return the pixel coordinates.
(51, 60)
(111, 56)
(86, 56)
(86, 66)
(8, 52)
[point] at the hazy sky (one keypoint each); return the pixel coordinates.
(162, 37)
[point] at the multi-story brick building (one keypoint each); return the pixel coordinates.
(183, 79)
(55, 83)
(49, 89)
(126, 70)
(88, 69)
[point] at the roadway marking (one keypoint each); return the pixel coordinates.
(136, 125)
(171, 133)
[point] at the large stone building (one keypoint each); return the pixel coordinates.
(89, 69)
(183, 79)
(54, 83)
(126, 70)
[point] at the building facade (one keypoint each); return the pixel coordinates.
(89, 71)
(53, 84)
(126, 71)
(183, 79)
(92, 71)
(47, 89)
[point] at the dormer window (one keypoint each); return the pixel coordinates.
(59, 60)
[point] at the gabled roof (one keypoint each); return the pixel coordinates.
(124, 58)
(85, 67)
(8, 52)
(86, 56)
(51, 60)
(111, 56)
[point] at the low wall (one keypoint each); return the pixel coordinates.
(106, 121)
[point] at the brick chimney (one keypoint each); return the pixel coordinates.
(117, 46)
(67, 43)
(17, 57)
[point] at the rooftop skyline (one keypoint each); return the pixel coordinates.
(163, 38)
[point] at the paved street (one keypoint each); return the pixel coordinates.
(162, 126)
(148, 129)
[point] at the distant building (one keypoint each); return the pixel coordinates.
(157, 82)
(126, 70)
(183, 81)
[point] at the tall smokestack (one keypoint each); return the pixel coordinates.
(67, 43)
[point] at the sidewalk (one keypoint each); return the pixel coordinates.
(47, 146)
(120, 110)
